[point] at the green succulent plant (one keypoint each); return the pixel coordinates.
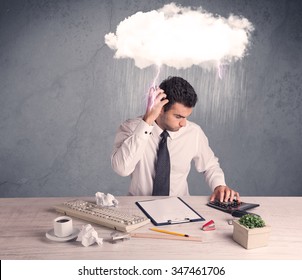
(252, 221)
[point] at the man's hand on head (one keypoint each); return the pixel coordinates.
(156, 101)
(224, 193)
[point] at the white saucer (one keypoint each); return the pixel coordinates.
(50, 235)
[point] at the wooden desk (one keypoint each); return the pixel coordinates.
(24, 222)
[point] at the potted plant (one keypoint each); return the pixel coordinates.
(250, 231)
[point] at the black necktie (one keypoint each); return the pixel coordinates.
(161, 183)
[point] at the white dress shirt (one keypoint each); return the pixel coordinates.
(135, 152)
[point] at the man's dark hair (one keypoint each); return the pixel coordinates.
(178, 90)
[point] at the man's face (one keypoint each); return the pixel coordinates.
(174, 118)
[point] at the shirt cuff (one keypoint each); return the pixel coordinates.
(217, 182)
(143, 129)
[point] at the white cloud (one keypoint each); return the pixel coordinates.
(180, 37)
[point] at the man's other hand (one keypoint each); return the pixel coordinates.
(224, 194)
(156, 101)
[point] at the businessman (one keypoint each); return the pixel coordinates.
(157, 149)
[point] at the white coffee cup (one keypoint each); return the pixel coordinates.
(62, 226)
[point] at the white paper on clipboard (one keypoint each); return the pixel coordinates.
(170, 210)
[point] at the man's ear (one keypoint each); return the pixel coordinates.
(162, 111)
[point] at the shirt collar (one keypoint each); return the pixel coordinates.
(173, 134)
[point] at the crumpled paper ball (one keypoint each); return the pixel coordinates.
(105, 200)
(89, 236)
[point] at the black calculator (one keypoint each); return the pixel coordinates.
(231, 206)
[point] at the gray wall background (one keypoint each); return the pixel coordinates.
(63, 96)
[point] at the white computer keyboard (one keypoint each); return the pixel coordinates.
(106, 216)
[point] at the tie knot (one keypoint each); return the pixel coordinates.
(164, 135)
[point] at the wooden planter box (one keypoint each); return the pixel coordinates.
(250, 238)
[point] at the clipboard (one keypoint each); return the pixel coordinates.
(167, 211)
